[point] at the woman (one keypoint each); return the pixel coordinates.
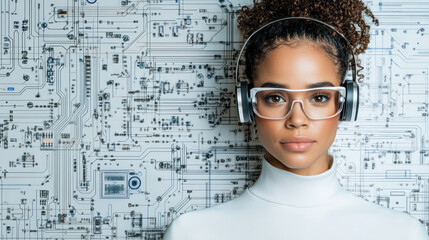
(297, 195)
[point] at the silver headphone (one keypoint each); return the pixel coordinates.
(242, 98)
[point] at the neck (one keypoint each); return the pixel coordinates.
(283, 187)
(319, 166)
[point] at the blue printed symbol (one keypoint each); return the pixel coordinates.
(134, 182)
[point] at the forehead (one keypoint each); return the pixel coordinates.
(302, 66)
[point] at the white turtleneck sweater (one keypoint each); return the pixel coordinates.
(288, 206)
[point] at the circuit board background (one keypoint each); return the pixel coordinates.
(116, 116)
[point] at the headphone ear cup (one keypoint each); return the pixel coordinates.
(251, 114)
(243, 103)
(351, 104)
(356, 108)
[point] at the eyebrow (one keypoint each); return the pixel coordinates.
(314, 85)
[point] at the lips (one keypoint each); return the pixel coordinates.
(297, 144)
(297, 140)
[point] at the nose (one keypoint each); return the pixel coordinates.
(297, 116)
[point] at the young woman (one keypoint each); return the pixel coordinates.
(297, 195)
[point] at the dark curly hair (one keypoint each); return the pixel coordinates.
(344, 15)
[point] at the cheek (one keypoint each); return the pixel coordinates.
(331, 123)
(268, 129)
(326, 129)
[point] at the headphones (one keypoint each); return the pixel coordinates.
(242, 91)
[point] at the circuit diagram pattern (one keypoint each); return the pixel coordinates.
(116, 116)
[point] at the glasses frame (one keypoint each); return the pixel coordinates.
(342, 99)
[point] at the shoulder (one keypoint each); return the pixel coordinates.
(381, 218)
(219, 211)
(179, 228)
(361, 206)
(200, 222)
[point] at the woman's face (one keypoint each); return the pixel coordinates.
(296, 68)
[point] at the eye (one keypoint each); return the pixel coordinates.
(274, 98)
(319, 98)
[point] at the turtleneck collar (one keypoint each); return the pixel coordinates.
(283, 187)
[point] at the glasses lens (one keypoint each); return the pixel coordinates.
(319, 103)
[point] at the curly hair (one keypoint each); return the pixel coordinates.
(346, 16)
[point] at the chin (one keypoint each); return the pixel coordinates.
(296, 160)
(296, 163)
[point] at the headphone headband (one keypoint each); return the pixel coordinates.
(238, 84)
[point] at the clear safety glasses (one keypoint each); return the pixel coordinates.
(317, 103)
